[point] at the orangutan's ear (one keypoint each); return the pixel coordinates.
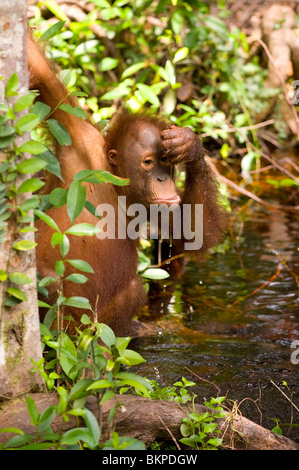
(112, 157)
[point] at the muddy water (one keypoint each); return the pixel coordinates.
(213, 324)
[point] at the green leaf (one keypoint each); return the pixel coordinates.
(34, 147)
(127, 378)
(59, 268)
(82, 229)
(189, 442)
(52, 31)
(24, 102)
(46, 281)
(12, 430)
(102, 383)
(47, 219)
(76, 197)
(31, 165)
(17, 293)
(86, 47)
(59, 132)
(12, 86)
(25, 245)
(107, 396)
(79, 389)
(122, 343)
(177, 20)
(133, 69)
(56, 239)
(75, 111)
(148, 94)
(78, 93)
(65, 76)
(53, 165)
(123, 89)
(3, 275)
(155, 273)
(58, 197)
(46, 418)
(169, 101)
(6, 131)
(27, 123)
(19, 278)
(216, 441)
(43, 304)
(92, 209)
(56, 10)
(247, 162)
(68, 357)
(77, 278)
(30, 203)
(63, 400)
(30, 185)
(73, 436)
(85, 320)
(41, 110)
(100, 176)
(6, 141)
(131, 357)
(64, 246)
(107, 335)
(11, 301)
(216, 24)
(170, 73)
(180, 54)
(19, 441)
(80, 264)
(79, 302)
(108, 63)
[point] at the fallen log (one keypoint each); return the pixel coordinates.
(146, 420)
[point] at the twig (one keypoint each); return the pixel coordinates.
(259, 288)
(168, 260)
(204, 380)
(295, 276)
(238, 188)
(281, 79)
(249, 194)
(168, 430)
(292, 403)
(273, 162)
(239, 129)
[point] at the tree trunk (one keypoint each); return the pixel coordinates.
(147, 420)
(19, 325)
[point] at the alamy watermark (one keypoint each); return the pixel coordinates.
(295, 354)
(159, 221)
(295, 97)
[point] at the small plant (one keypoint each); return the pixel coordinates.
(199, 430)
(105, 363)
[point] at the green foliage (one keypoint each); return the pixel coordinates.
(173, 57)
(199, 430)
(104, 360)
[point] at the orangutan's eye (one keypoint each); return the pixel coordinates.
(148, 161)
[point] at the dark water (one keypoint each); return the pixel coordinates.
(239, 348)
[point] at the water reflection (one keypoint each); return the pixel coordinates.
(214, 326)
